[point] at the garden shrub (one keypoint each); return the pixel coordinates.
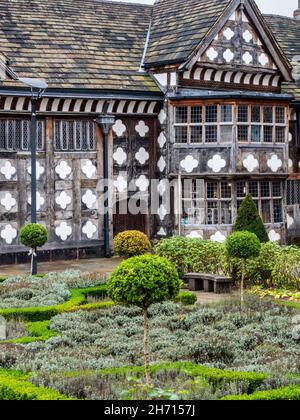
(76, 302)
(16, 387)
(248, 219)
(131, 243)
(186, 298)
(289, 393)
(143, 281)
(243, 245)
(33, 236)
(193, 255)
(276, 267)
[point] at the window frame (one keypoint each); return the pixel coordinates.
(72, 125)
(8, 128)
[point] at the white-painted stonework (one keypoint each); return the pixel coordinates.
(247, 58)
(162, 212)
(89, 199)
(263, 59)
(161, 164)
(290, 221)
(250, 163)
(194, 235)
(228, 33)
(120, 184)
(7, 170)
(9, 233)
(228, 55)
(8, 201)
(216, 164)
(189, 164)
(40, 200)
(247, 35)
(212, 53)
(162, 232)
(142, 183)
(161, 187)
(274, 163)
(142, 156)
(274, 236)
(63, 170)
(40, 170)
(63, 200)
(119, 128)
(161, 140)
(218, 237)
(89, 229)
(88, 168)
(63, 231)
(120, 156)
(162, 116)
(142, 129)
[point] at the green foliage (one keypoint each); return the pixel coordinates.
(33, 235)
(276, 267)
(186, 298)
(144, 280)
(131, 243)
(243, 245)
(76, 302)
(17, 388)
(248, 219)
(289, 393)
(194, 255)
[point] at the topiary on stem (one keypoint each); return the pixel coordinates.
(142, 281)
(131, 243)
(33, 235)
(248, 219)
(243, 245)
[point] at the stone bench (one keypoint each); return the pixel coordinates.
(209, 282)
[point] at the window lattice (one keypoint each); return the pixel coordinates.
(15, 134)
(74, 135)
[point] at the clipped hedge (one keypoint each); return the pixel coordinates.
(216, 377)
(75, 303)
(194, 255)
(15, 386)
(289, 393)
(186, 298)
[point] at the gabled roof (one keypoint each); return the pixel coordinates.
(80, 44)
(178, 26)
(287, 33)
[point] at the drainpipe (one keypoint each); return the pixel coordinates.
(106, 121)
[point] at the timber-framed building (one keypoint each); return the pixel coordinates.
(205, 95)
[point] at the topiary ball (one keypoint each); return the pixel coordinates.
(144, 280)
(33, 235)
(131, 243)
(243, 245)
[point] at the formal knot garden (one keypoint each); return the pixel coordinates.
(141, 334)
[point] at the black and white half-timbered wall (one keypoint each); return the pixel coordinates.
(205, 97)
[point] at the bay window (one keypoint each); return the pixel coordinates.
(214, 123)
(211, 202)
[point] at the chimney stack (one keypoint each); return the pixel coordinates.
(297, 12)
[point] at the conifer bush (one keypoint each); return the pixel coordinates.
(248, 219)
(131, 243)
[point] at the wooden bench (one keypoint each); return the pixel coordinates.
(208, 282)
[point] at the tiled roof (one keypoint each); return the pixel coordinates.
(80, 44)
(178, 26)
(287, 33)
